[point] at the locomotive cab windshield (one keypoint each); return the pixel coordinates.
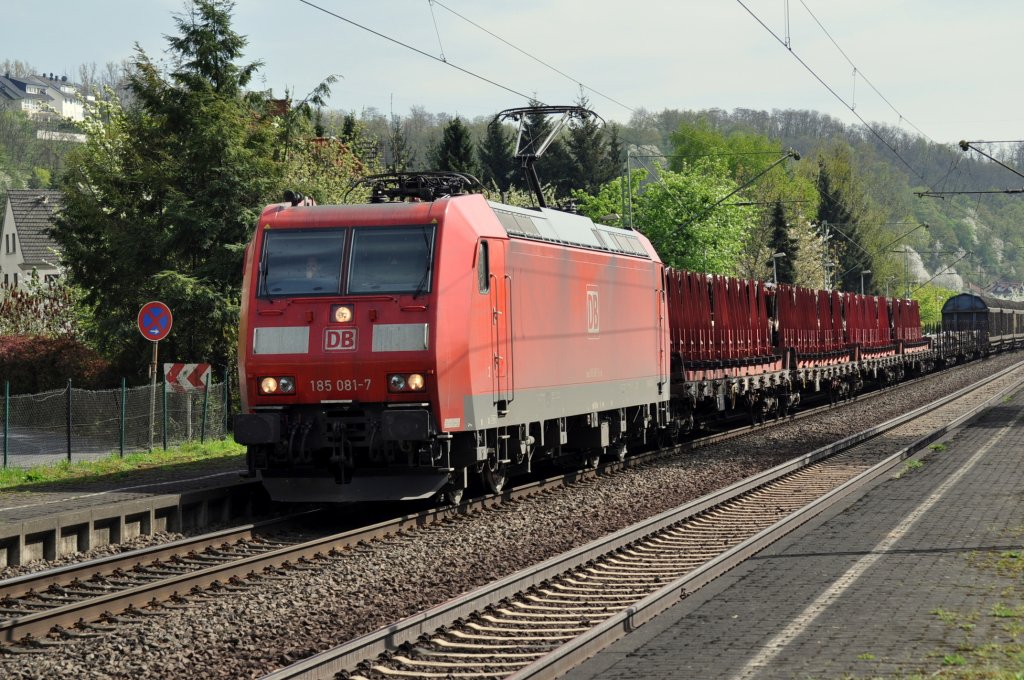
(391, 260)
(381, 260)
(302, 262)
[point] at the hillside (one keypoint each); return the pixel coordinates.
(905, 175)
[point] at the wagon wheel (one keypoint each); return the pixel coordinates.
(783, 409)
(756, 414)
(618, 451)
(494, 476)
(592, 458)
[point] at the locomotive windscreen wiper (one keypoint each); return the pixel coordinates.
(426, 266)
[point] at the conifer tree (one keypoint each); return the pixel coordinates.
(161, 199)
(782, 243)
(400, 156)
(455, 150)
(496, 157)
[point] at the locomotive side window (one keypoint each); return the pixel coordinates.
(301, 262)
(483, 269)
(391, 260)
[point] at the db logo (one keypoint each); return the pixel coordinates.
(593, 311)
(339, 339)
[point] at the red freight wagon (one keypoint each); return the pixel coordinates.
(398, 350)
(723, 350)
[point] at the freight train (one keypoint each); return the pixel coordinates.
(433, 340)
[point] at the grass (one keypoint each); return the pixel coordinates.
(910, 465)
(937, 447)
(115, 465)
(954, 660)
(998, 652)
(961, 621)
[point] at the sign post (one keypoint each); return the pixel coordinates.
(154, 323)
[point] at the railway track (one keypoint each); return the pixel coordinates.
(86, 599)
(77, 599)
(542, 621)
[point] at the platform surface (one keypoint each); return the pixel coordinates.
(922, 575)
(38, 501)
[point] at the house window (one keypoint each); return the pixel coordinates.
(15, 278)
(12, 243)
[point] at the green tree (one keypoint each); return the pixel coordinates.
(930, 300)
(496, 157)
(325, 170)
(677, 212)
(778, 193)
(455, 150)
(592, 154)
(307, 114)
(400, 156)
(39, 179)
(852, 221)
(782, 242)
(609, 205)
(165, 193)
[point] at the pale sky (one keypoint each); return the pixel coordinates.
(947, 67)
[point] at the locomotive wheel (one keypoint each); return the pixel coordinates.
(672, 433)
(494, 479)
(450, 496)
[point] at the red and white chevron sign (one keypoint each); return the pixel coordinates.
(186, 377)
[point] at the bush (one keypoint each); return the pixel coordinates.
(35, 363)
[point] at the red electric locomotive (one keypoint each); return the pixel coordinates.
(404, 348)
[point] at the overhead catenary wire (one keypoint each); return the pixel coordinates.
(416, 50)
(857, 71)
(835, 94)
(536, 59)
(787, 42)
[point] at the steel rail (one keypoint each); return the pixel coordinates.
(60, 576)
(348, 655)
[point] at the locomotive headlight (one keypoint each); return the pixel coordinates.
(411, 382)
(277, 385)
(341, 313)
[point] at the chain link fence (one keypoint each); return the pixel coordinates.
(73, 424)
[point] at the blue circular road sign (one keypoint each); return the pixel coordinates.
(155, 321)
